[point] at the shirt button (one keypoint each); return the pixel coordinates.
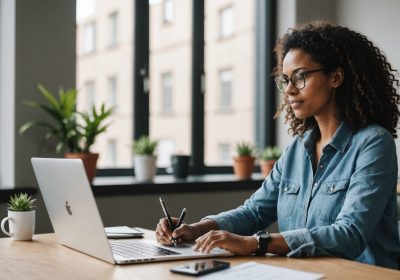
(315, 185)
(321, 166)
(331, 189)
(285, 189)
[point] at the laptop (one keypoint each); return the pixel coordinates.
(77, 224)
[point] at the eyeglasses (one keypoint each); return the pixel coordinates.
(298, 79)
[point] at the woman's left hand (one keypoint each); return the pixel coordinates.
(236, 244)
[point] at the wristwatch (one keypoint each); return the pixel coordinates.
(262, 239)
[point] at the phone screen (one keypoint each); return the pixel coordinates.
(201, 268)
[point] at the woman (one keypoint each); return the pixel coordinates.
(333, 191)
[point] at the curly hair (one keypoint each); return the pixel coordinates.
(368, 93)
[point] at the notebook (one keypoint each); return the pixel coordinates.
(77, 224)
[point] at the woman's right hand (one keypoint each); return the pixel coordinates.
(184, 233)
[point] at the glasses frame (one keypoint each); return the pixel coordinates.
(303, 74)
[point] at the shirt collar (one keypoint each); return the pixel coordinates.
(339, 140)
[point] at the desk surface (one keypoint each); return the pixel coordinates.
(44, 258)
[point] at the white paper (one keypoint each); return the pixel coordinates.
(254, 271)
(122, 231)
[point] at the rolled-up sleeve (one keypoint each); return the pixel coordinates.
(258, 212)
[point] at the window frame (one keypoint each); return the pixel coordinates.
(265, 102)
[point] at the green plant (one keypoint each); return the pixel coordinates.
(144, 146)
(75, 131)
(245, 149)
(92, 126)
(271, 153)
(21, 202)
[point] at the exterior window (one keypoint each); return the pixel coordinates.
(226, 79)
(112, 152)
(165, 148)
(105, 76)
(112, 91)
(90, 95)
(89, 37)
(113, 36)
(168, 11)
(226, 21)
(229, 102)
(170, 97)
(224, 153)
(167, 93)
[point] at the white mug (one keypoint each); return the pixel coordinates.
(21, 224)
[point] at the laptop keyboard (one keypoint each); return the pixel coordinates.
(132, 249)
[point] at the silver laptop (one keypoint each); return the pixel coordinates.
(77, 223)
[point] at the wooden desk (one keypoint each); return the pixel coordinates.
(44, 258)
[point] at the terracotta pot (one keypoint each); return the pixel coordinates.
(243, 166)
(266, 166)
(89, 161)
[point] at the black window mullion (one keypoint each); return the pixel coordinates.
(141, 69)
(265, 101)
(197, 87)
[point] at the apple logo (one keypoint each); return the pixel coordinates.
(68, 208)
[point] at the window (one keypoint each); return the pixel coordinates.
(89, 37)
(90, 95)
(109, 72)
(168, 11)
(166, 147)
(226, 22)
(111, 153)
(113, 23)
(183, 80)
(224, 153)
(112, 91)
(167, 93)
(225, 89)
(170, 80)
(226, 79)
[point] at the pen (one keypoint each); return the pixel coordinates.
(170, 223)
(181, 217)
(164, 208)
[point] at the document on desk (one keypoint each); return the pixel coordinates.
(255, 271)
(122, 232)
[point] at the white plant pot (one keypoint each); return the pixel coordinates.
(21, 224)
(145, 167)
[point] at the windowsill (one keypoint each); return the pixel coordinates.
(105, 186)
(122, 185)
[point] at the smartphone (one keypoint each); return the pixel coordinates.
(200, 268)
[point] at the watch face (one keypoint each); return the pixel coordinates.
(263, 235)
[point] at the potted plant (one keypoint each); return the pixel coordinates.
(144, 158)
(75, 131)
(21, 217)
(243, 163)
(268, 158)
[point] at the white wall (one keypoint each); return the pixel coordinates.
(7, 87)
(38, 46)
(380, 22)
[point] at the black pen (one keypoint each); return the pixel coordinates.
(181, 218)
(170, 223)
(164, 208)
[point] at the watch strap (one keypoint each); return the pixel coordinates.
(262, 239)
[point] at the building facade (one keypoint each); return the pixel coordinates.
(104, 74)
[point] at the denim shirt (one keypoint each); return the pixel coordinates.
(345, 208)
